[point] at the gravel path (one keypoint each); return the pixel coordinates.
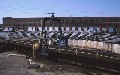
(13, 64)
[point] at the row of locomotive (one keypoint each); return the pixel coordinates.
(104, 42)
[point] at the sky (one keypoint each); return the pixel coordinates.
(61, 8)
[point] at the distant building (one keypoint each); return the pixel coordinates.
(10, 23)
(68, 23)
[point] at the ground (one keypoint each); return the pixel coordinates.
(12, 63)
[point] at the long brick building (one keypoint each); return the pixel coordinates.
(68, 23)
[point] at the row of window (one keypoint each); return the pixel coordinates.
(19, 21)
(12, 20)
(64, 25)
(66, 29)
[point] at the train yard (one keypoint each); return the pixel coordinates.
(95, 50)
(75, 55)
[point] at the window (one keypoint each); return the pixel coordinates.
(97, 20)
(104, 29)
(29, 20)
(45, 28)
(79, 20)
(116, 19)
(110, 20)
(62, 20)
(85, 28)
(73, 28)
(91, 29)
(19, 20)
(9, 21)
(79, 28)
(50, 28)
(62, 28)
(40, 28)
(111, 29)
(67, 28)
(91, 20)
(73, 20)
(67, 21)
(97, 28)
(56, 28)
(24, 20)
(103, 20)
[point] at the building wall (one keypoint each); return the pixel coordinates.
(68, 23)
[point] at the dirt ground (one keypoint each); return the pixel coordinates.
(12, 63)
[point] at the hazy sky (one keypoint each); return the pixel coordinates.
(39, 8)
